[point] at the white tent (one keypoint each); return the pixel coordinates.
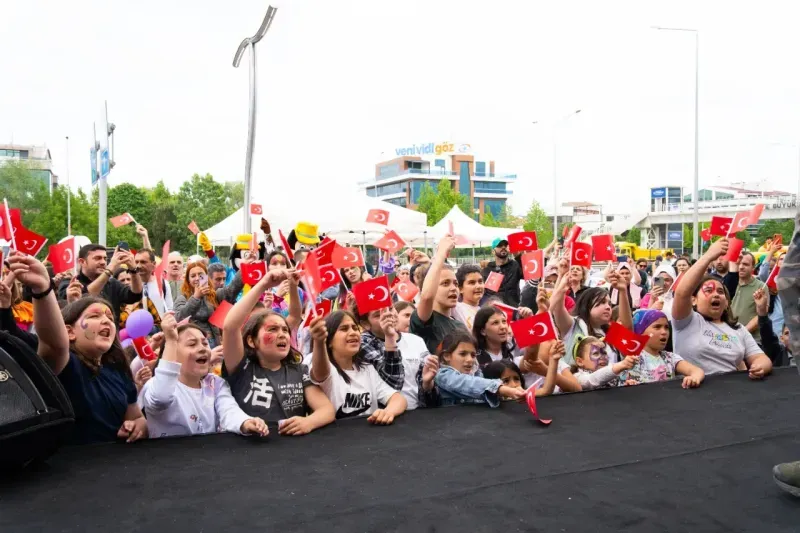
(475, 234)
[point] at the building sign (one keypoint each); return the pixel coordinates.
(433, 149)
(674, 236)
(659, 192)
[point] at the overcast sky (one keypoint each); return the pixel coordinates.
(341, 81)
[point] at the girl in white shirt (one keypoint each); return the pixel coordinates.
(353, 386)
(183, 398)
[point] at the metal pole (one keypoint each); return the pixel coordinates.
(696, 195)
(555, 184)
(797, 198)
(102, 198)
(69, 195)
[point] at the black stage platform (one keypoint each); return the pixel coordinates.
(646, 458)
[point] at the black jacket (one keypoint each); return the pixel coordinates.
(114, 293)
(509, 288)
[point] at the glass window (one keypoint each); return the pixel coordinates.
(490, 186)
(463, 178)
(388, 171)
(495, 206)
(439, 163)
(480, 168)
(397, 201)
(394, 188)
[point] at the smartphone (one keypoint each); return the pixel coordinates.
(622, 259)
(658, 282)
(122, 245)
(777, 239)
(203, 279)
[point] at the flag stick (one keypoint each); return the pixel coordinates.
(8, 221)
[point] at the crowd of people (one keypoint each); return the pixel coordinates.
(273, 360)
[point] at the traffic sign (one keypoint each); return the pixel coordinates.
(105, 166)
(93, 164)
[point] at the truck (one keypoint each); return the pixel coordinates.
(635, 252)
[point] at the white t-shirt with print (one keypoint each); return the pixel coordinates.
(412, 350)
(465, 314)
(360, 397)
(714, 347)
(536, 379)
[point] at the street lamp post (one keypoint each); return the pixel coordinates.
(696, 193)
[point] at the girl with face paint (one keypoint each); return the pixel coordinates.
(591, 365)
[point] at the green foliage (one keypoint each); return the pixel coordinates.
(23, 190)
(488, 220)
(437, 203)
(537, 220)
(633, 235)
(770, 227)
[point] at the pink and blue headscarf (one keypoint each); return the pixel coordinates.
(644, 317)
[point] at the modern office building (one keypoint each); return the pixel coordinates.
(37, 158)
(399, 180)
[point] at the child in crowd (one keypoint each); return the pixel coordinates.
(545, 385)
(264, 371)
(536, 369)
(470, 286)
(493, 336)
(404, 311)
(184, 398)
(454, 380)
(353, 386)
(655, 363)
(591, 364)
(507, 372)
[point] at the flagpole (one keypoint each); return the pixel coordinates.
(8, 221)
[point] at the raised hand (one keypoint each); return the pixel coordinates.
(761, 298)
(170, 327)
(142, 376)
(74, 290)
(557, 350)
(318, 330)
(5, 290)
(718, 249)
(29, 271)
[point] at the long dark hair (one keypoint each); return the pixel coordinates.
(451, 341)
(588, 299)
(495, 369)
(332, 323)
(345, 286)
(115, 356)
(250, 332)
(482, 318)
(727, 315)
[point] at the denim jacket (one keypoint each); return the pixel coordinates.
(455, 388)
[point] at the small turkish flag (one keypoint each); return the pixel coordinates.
(391, 242)
(675, 283)
(532, 264)
(706, 234)
(603, 247)
(324, 252)
(574, 233)
(286, 249)
(217, 318)
(530, 397)
(193, 227)
(771, 279)
(62, 256)
(406, 290)
(507, 309)
(121, 220)
(28, 241)
(7, 222)
(378, 216)
(312, 277)
(624, 340)
(720, 226)
(252, 273)
(564, 231)
(372, 294)
(494, 281)
(144, 350)
(581, 254)
(343, 257)
(329, 275)
(734, 249)
(748, 218)
(523, 241)
(323, 309)
(535, 329)
(255, 209)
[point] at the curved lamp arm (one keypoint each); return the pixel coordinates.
(262, 30)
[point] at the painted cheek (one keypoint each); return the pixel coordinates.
(268, 338)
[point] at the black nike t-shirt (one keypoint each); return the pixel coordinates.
(272, 395)
(361, 396)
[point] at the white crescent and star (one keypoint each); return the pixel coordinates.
(577, 255)
(67, 256)
(725, 227)
(380, 217)
(260, 274)
(544, 330)
(392, 244)
(526, 238)
(637, 343)
(348, 254)
(383, 291)
(535, 263)
(325, 275)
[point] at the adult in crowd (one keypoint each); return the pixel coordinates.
(707, 333)
(643, 267)
(509, 268)
(663, 278)
(175, 272)
(217, 275)
(631, 276)
(743, 304)
(530, 288)
(681, 265)
(124, 276)
(576, 278)
(97, 278)
(160, 296)
(773, 258)
(729, 276)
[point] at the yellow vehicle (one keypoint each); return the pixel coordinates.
(637, 252)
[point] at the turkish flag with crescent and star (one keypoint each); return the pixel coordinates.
(624, 340)
(286, 249)
(535, 329)
(706, 234)
(193, 227)
(121, 220)
(9, 220)
(532, 264)
(772, 276)
(343, 257)
(581, 254)
(574, 233)
(406, 290)
(494, 281)
(62, 256)
(748, 218)
(28, 241)
(720, 226)
(378, 216)
(323, 309)
(252, 273)
(312, 277)
(255, 209)
(391, 242)
(330, 277)
(324, 252)
(734, 249)
(523, 241)
(603, 247)
(372, 294)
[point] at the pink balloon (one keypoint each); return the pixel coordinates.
(123, 334)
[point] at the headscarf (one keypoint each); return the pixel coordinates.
(667, 269)
(643, 318)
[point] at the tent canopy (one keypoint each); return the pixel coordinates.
(475, 234)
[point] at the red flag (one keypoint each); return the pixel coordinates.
(217, 318)
(144, 350)
(720, 226)
(6, 223)
(253, 272)
(581, 254)
(122, 220)
(494, 281)
(406, 290)
(523, 241)
(160, 271)
(312, 277)
(564, 231)
(323, 309)
(706, 234)
(450, 230)
(330, 277)
(532, 264)
(324, 252)
(771, 279)
(748, 218)
(535, 329)
(28, 241)
(343, 257)
(378, 216)
(734, 249)
(624, 340)
(286, 249)
(530, 396)
(603, 247)
(255, 209)
(372, 294)
(574, 233)
(675, 283)
(507, 309)
(62, 256)
(391, 242)
(194, 228)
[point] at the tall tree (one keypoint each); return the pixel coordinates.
(437, 203)
(537, 220)
(23, 190)
(770, 227)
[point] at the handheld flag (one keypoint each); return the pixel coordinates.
(532, 264)
(217, 318)
(406, 290)
(372, 294)
(734, 249)
(252, 273)
(324, 252)
(706, 234)
(286, 249)
(603, 247)
(625, 340)
(494, 281)
(535, 329)
(193, 227)
(771, 279)
(122, 220)
(322, 309)
(391, 242)
(62, 256)
(255, 209)
(343, 257)
(329, 275)
(28, 241)
(720, 226)
(523, 241)
(378, 216)
(581, 254)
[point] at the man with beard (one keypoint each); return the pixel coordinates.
(511, 271)
(145, 266)
(175, 272)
